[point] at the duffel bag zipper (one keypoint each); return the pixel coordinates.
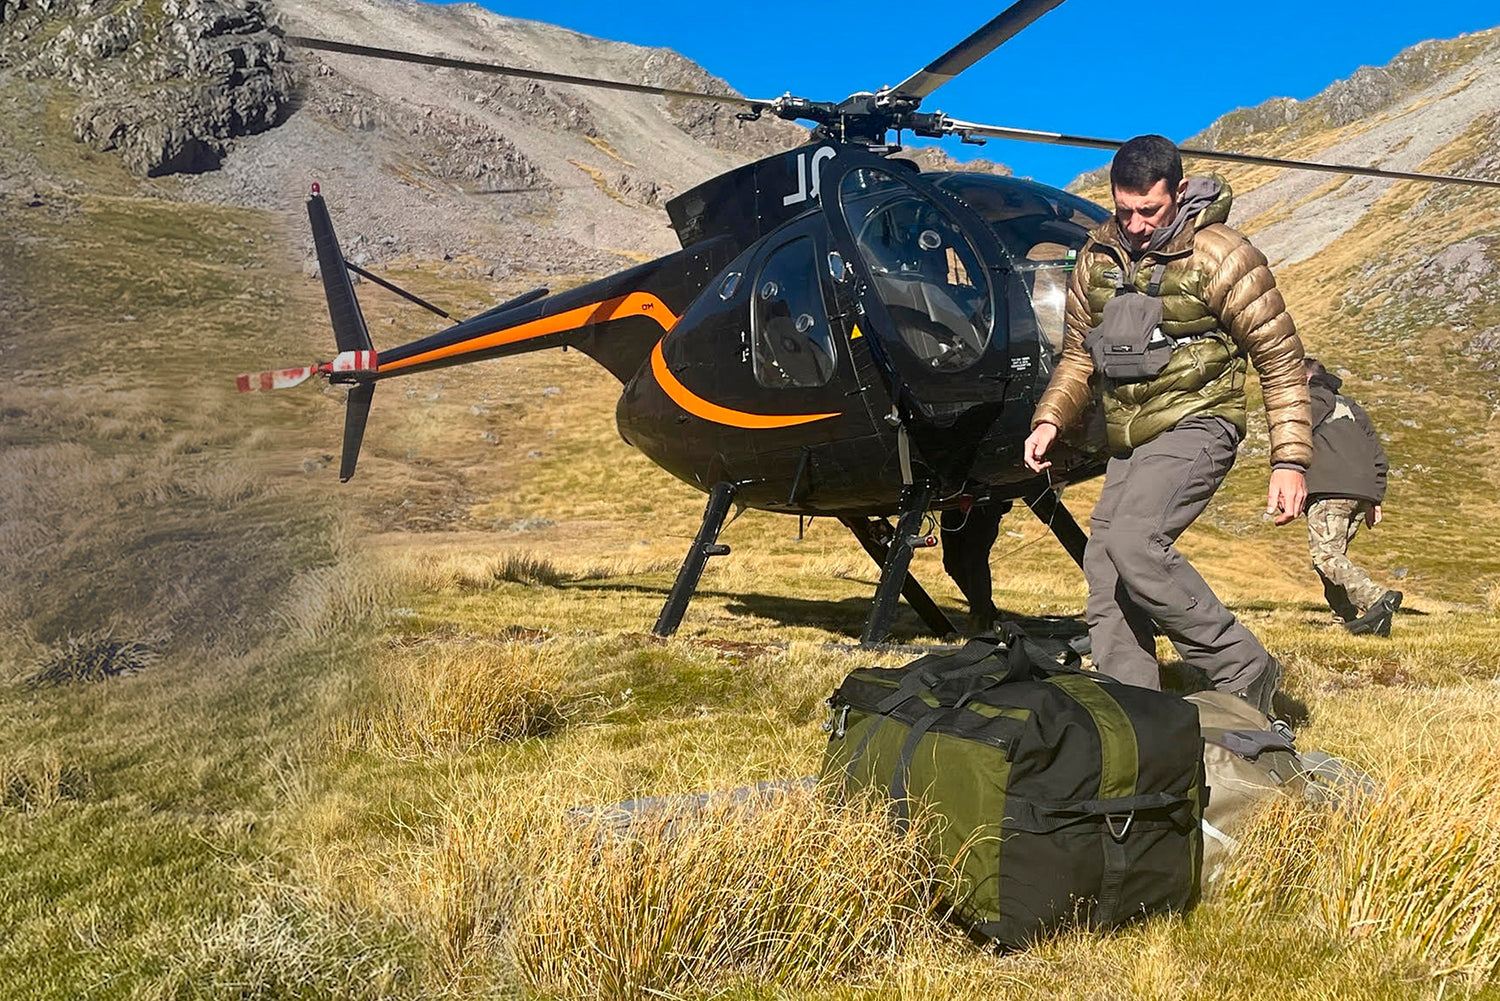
(837, 725)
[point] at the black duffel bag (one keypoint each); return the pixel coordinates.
(1061, 794)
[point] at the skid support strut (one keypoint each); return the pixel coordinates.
(705, 544)
(1046, 506)
(894, 579)
(865, 530)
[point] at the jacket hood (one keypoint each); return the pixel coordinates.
(1322, 394)
(1216, 207)
(1328, 379)
(1206, 201)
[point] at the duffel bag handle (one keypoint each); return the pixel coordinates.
(1000, 660)
(980, 657)
(1027, 655)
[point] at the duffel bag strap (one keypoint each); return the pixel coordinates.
(1249, 744)
(1032, 813)
(1116, 865)
(921, 676)
(1027, 655)
(901, 778)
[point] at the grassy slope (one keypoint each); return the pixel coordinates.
(138, 500)
(277, 810)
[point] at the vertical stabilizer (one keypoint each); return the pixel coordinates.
(349, 330)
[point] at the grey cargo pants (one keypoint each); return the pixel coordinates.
(1137, 577)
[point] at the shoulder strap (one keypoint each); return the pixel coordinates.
(1154, 289)
(1125, 277)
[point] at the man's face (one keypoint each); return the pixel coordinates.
(1141, 214)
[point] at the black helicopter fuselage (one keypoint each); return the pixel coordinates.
(810, 420)
(836, 325)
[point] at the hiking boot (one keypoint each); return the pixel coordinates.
(1262, 690)
(980, 624)
(1377, 618)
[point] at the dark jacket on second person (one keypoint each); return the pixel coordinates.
(1347, 458)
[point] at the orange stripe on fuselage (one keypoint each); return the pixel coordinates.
(635, 304)
(699, 407)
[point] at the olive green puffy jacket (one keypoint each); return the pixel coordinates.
(1216, 287)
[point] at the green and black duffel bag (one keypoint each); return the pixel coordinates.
(1062, 795)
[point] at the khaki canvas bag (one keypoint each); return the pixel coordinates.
(1247, 761)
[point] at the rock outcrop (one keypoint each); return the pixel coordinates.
(168, 85)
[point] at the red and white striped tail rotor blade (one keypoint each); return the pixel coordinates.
(281, 378)
(364, 362)
(348, 363)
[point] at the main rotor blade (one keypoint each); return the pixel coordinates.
(953, 126)
(1003, 27)
(397, 55)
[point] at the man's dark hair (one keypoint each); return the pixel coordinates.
(1143, 161)
(1312, 367)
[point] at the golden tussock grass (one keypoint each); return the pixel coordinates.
(437, 573)
(283, 946)
(36, 780)
(451, 698)
(1415, 865)
(348, 591)
(781, 888)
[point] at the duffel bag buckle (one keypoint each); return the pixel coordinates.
(1119, 824)
(837, 721)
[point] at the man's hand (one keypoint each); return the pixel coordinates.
(1287, 494)
(1036, 446)
(1372, 516)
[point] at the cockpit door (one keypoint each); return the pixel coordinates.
(932, 282)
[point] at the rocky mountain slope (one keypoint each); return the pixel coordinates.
(1433, 108)
(508, 174)
(414, 160)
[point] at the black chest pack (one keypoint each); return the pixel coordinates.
(1128, 344)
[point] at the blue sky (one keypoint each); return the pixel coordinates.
(1083, 68)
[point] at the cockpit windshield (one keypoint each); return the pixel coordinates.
(1042, 230)
(1033, 222)
(922, 267)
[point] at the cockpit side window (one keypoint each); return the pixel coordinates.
(793, 345)
(1047, 285)
(923, 268)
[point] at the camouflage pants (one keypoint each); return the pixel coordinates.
(1331, 526)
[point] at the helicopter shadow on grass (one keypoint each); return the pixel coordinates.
(847, 615)
(838, 615)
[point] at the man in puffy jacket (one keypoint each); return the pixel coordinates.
(1172, 432)
(1345, 485)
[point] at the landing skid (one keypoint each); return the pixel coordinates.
(892, 549)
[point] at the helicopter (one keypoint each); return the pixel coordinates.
(840, 335)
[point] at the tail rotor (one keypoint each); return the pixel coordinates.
(357, 363)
